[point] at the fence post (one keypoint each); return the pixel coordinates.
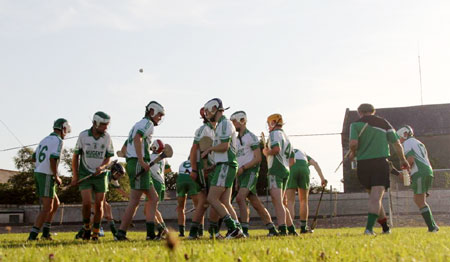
(331, 205)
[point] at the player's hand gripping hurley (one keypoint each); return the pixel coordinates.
(349, 151)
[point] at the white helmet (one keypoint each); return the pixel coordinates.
(157, 146)
(157, 108)
(405, 129)
(63, 125)
(215, 102)
(239, 116)
(101, 118)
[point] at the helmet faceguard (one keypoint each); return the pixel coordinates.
(101, 118)
(157, 146)
(117, 171)
(62, 125)
(405, 132)
(213, 106)
(239, 116)
(157, 109)
(274, 120)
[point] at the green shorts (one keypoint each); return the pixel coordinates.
(249, 179)
(276, 182)
(142, 182)
(160, 189)
(421, 183)
(298, 177)
(223, 175)
(186, 186)
(45, 185)
(98, 184)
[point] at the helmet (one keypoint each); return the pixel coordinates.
(157, 146)
(277, 118)
(63, 125)
(215, 102)
(239, 116)
(405, 129)
(157, 108)
(101, 118)
(117, 169)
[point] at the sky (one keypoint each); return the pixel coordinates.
(308, 60)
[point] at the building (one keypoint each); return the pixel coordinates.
(431, 124)
(5, 175)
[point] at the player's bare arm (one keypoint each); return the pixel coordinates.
(75, 162)
(255, 161)
(353, 147)
(401, 155)
(271, 152)
(103, 166)
(316, 166)
(193, 160)
(54, 168)
(137, 140)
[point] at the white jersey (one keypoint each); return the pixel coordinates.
(225, 132)
(92, 151)
(145, 128)
(50, 147)
(415, 148)
(157, 170)
(278, 138)
(208, 131)
(245, 147)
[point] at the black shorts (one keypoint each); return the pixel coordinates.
(373, 172)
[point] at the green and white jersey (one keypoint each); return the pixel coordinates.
(225, 133)
(92, 151)
(204, 130)
(279, 163)
(145, 129)
(157, 170)
(185, 168)
(301, 158)
(245, 147)
(416, 149)
(50, 147)
(374, 140)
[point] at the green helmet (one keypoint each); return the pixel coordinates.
(63, 125)
(101, 118)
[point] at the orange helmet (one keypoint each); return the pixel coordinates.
(277, 118)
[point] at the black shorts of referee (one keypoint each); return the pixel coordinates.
(373, 172)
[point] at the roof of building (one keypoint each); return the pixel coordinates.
(426, 120)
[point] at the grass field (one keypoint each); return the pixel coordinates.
(346, 244)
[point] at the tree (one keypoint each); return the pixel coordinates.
(22, 187)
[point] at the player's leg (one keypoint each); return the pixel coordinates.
(181, 216)
(263, 213)
(303, 196)
(289, 218)
(153, 200)
(98, 214)
(221, 179)
(276, 194)
(130, 211)
(48, 221)
(290, 196)
(86, 197)
(47, 205)
(241, 200)
(375, 197)
(109, 217)
(420, 185)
